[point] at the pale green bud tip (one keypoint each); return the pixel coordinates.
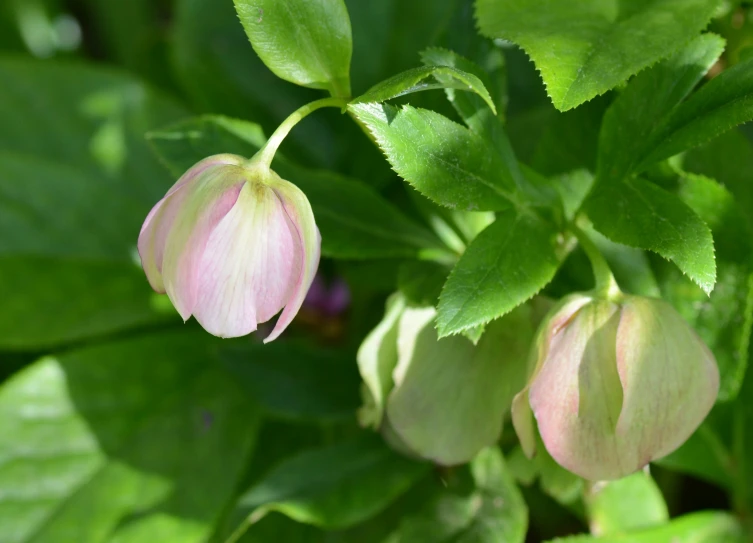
(232, 244)
(617, 385)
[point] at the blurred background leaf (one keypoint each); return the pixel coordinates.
(77, 178)
(94, 443)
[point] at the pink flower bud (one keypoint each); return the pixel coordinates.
(617, 384)
(232, 244)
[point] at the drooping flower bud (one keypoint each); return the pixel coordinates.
(232, 244)
(617, 384)
(441, 399)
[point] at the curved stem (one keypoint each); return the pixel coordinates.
(605, 282)
(267, 153)
(249, 521)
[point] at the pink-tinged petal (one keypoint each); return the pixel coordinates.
(147, 249)
(556, 318)
(576, 396)
(208, 201)
(298, 209)
(193, 173)
(156, 227)
(251, 265)
(670, 378)
(153, 236)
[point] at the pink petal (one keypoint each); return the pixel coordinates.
(154, 232)
(298, 209)
(203, 165)
(156, 227)
(251, 265)
(573, 396)
(207, 204)
(557, 318)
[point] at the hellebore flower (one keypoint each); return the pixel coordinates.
(617, 384)
(441, 399)
(232, 244)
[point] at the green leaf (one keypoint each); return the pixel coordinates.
(48, 209)
(719, 209)
(441, 159)
(626, 505)
(181, 145)
(639, 214)
(584, 49)
(705, 526)
(725, 101)
(632, 125)
(220, 73)
(305, 487)
(467, 106)
(704, 455)
(354, 220)
(48, 301)
(10, 33)
(389, 34)
(418, 79)
(573, 188)
(86, 117)
(306, 42)
(296, 381)
(358, 222)
(131, 34)
(556, 143)
(481, 120)
(76, 181)
(729, 160)
(124, 441)
(723, 320)
(509, 262)
(277, 527)
(454, 227)
(421, 281)
(473, 111)
(493, 511)
(464, 48)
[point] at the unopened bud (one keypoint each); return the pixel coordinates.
(232, 244)
(617, 384)
(442, 399)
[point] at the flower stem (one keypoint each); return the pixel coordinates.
(249, 521)
(605, 282)
(267, 153)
